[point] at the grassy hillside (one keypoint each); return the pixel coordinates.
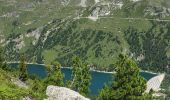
(8, 90)
(51, 30)
(11, 88)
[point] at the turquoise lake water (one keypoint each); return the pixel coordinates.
(97, 82)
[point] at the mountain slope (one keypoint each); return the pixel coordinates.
(95, 30)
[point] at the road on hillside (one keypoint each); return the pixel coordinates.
(160, 20)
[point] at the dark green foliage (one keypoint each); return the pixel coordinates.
(69, 40)
(152, 44)
(37, 85)
(23, 75)
(85, 80)
(38, 89)
(80, 76)
(104, 93)
(3, 63)
(166, 86)
(128, 84)
(2, 59)
(55, 76)
(15, 23)
(31, 30)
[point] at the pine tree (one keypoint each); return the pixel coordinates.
(23, 75)
(49, 70)
(85, 80)
(58, 75)
(80, 76)
(55, 76)
(76, 72)
(2, 59)
(104, 93)
(37, 85)
(127, 84)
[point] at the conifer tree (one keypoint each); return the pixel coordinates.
(80, 76)
(1, 57)
(3, 64)
(55, 76)
(127, 84)
(58, 75)
(23, 75)
(49, 70)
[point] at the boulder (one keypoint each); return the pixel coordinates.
(155, 83)
(62, 93)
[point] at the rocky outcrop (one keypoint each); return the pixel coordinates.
(62, 93)
(155, 83)
(19, 83)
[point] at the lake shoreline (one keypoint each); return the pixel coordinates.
(98, 78)
(94, 70)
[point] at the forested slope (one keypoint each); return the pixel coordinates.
(48, 31)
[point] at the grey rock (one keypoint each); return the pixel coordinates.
(62, 93)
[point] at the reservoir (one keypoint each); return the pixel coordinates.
(99, 79)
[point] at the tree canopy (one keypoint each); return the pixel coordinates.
(2, 59)
(23, 75)
(80, 76)
(127, 84)
(55, 76)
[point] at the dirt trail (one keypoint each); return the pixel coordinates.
(159, 20)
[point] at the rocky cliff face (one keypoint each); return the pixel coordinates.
(62, 93)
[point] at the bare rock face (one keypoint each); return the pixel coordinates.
(155, 83)
(62, 93)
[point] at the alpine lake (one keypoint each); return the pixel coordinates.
(99, 79)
